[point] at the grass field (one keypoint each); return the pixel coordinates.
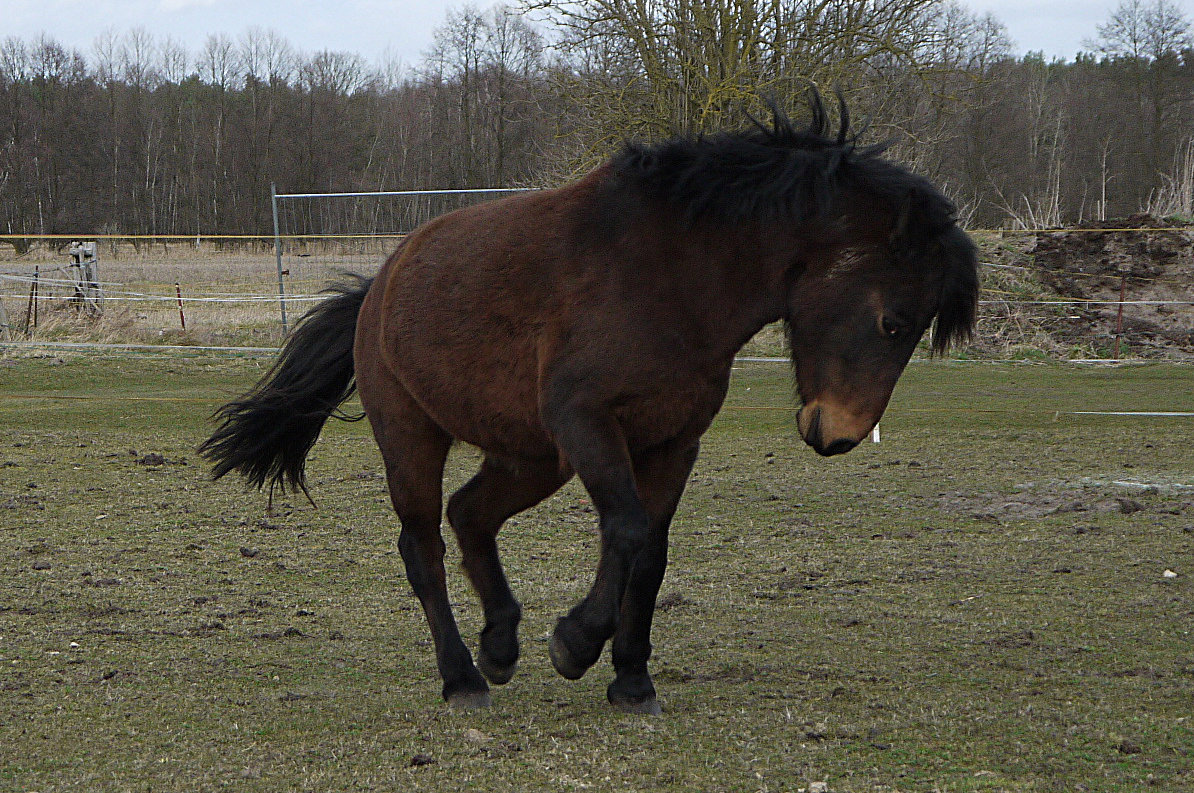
(977, 603)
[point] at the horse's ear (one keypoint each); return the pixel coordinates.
(843, 116)
(899, 229)
(818, 124)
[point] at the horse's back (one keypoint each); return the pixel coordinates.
(463, 312)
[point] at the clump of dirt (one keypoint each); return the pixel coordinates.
(1034, 502)
(1149, 259)
(153, 459)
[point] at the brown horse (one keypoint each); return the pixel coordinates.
(590, 330)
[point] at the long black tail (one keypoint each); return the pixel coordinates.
(266, 434)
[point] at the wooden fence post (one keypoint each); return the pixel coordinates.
(5, 330)
(1119, 315)
(31, 309)
(181, 317)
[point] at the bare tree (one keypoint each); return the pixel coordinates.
(173, 60)
(1147, 40)
(137, 54)
(455, 61)
(695, 66)
(220, 67)
(512, 59)
(1144, 30)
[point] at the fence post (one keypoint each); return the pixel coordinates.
(31, 310)
(182, 318)
(273, 194)
(1119, 315)
(5, 332)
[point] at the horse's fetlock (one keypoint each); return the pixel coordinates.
(631, 659)
(504, 615)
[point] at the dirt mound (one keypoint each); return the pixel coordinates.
(1147, 258)
(1039, 500)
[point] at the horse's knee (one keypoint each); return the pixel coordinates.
(422, 555)
(627, 538)
(424, 546)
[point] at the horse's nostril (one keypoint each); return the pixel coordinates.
(840, 446)
(813, 436)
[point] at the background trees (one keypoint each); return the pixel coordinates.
(142, 136)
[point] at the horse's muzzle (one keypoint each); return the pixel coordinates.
(813, 435)
(840, 446)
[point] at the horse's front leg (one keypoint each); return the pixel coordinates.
(595, 447)
(661, 475)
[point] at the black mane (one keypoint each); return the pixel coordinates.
(781, 172)
(773, 172)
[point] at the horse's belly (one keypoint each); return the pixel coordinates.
(493, 408)
(497, 409)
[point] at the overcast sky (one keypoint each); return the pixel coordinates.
(401, 29)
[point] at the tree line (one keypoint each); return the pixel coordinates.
(143, 136)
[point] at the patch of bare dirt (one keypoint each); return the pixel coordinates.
(1145, 256)
(1033, 502)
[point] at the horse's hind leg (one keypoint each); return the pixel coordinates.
(414, 450)
(476, 512)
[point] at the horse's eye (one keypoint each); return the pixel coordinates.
(892, 328)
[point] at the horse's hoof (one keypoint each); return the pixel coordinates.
(470, 700)
(495, 673)
(563, 660)
(641, 707)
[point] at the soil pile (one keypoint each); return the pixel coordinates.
(1148, 259)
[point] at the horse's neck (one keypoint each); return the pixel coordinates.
(738, 284)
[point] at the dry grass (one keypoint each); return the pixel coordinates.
(218, 282)
(229, 297)
(1010, 327)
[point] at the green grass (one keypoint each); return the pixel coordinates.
(971, 605)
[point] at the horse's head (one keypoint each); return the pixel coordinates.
(861, 305)
(872, 252)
